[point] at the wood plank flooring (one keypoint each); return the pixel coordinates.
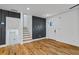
(41, 47)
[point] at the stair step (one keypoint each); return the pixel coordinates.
(27, 37)
(27, 40)
(26, 33)
(25, 29)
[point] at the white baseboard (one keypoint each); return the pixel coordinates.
(24, 42)
(34, 40)
(3, 46)
(64, 42)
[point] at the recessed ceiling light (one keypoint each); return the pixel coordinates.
(47, 15)
(28, 8)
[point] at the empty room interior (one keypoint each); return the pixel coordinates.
(39, 29)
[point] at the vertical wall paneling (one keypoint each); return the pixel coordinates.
(3, 14)
(38, 27)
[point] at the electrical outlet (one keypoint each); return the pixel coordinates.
(55, 31)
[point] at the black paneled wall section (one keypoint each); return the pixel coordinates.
(38, 27)
(3, 14)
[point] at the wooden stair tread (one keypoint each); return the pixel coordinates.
(27, 40)
(26, 35)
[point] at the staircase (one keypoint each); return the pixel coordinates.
(26, 35)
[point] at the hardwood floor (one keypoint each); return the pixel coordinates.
(41, 47)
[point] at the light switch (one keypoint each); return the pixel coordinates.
(2, 23)
(55, 31)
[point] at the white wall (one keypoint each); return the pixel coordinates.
(25, 20)
(28, 22)
(19, 27)
(67, 27)
(13, 26)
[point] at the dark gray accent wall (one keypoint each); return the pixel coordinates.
(38, 27)
(3, 14)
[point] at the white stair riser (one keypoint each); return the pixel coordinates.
(26, 35)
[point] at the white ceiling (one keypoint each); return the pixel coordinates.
(41, 10)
